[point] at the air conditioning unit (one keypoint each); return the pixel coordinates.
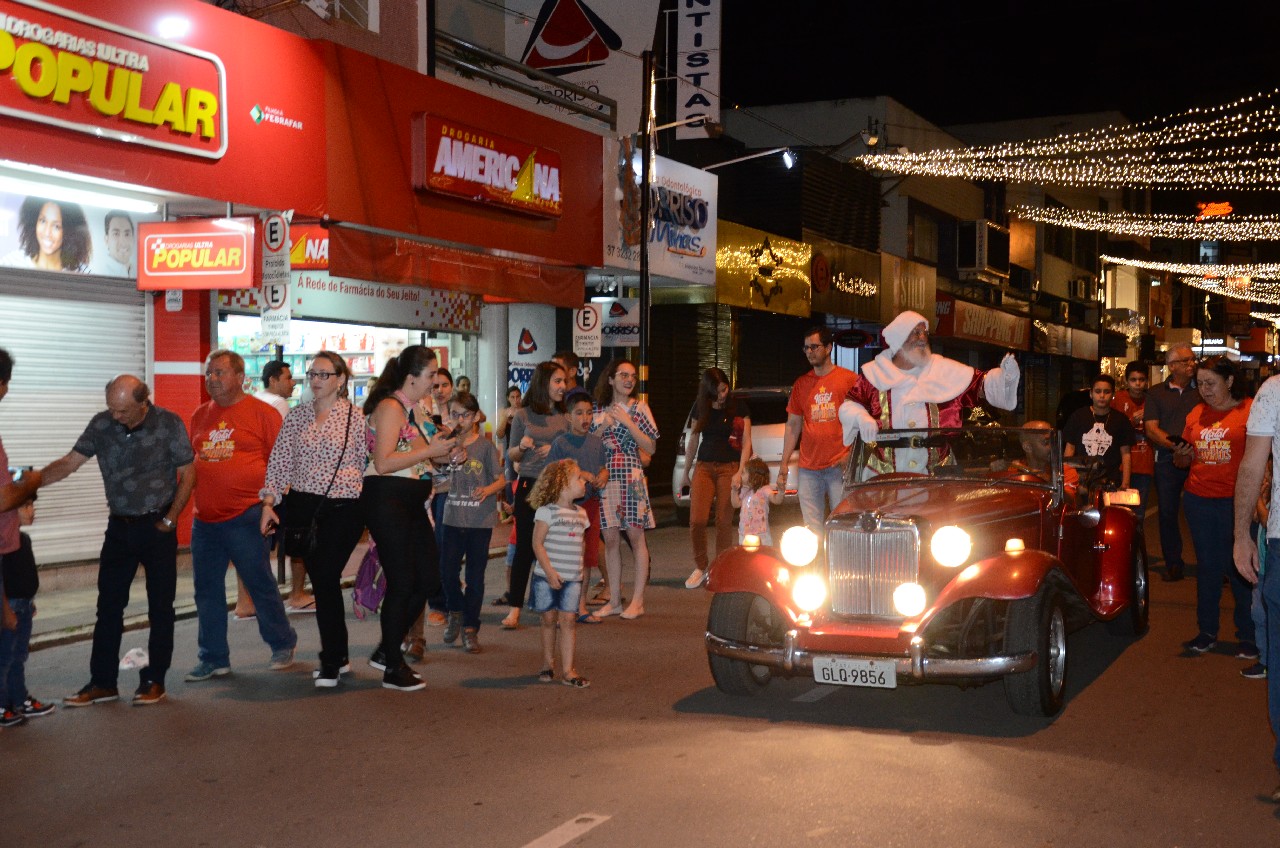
(982, 251)
(1081, 288)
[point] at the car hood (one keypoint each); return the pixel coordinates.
(969, 503)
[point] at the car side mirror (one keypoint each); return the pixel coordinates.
(1090, 517)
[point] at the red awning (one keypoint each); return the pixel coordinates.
(365, 255)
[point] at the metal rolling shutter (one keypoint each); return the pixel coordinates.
(68, 335)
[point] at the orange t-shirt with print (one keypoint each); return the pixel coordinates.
(232, 446)
(1219, 439)
(817, 400)
(1142, 459)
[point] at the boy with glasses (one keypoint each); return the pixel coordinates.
(1164, 418)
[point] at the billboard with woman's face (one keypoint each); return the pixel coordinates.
(44, 234)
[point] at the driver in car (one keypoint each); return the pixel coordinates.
(1038, 449)
(909, 386)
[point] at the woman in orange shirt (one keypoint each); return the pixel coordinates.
(1212, 446)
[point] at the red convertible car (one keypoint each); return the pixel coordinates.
(974, 570)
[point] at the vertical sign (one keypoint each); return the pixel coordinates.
(698, 61)
(586, 331)
(274, 301)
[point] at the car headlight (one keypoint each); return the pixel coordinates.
(799, 545)
(908, 599)
(809, 592)
(951, 546)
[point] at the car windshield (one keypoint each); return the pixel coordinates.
(769, 409)
(1008, 454)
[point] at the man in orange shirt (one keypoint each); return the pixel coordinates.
(813, 411)
(1132, 403)
(232, 436)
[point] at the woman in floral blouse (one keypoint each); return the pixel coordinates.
(317, 465)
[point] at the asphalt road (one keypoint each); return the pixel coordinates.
(1153, 748)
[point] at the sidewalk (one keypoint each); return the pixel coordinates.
(68, 598)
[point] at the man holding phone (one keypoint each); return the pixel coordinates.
(1165, 416)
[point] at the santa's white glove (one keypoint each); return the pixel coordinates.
(1010, 371)
(857, 422)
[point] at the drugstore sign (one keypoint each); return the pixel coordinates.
(197, 254)
(80, 73)
(477, 165)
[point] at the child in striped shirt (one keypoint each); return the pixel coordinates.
(559, 529)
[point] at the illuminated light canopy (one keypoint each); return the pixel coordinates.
(1266, 270)
(854, 285)
(1233, 228)
(1233, 146)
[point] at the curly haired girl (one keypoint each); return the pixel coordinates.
(558, 531)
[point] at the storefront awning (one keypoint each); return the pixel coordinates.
(368, 255)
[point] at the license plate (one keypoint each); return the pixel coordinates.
(878, 674)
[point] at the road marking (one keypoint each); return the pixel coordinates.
(817, 693)
(567, 832)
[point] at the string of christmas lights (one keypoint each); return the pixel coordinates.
(1232, 228)
(1265, 270)
(1233, 146)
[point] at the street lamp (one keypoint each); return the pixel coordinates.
(788, 158)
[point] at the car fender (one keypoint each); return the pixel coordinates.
(1117, 532)
(1008, 576)
(761, 572)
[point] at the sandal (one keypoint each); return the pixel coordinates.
(589, 618)
(509, 623)
(546, 676)
(577, 682)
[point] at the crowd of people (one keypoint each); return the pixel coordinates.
(413, 468)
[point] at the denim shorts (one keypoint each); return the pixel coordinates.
(542, 598)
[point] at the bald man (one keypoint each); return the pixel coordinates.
(147, 468)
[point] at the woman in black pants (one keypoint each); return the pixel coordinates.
(317, 466)
(533, 428)
(397, 486)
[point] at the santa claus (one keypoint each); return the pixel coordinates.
(910, 386)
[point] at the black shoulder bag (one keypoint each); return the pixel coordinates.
(300, 540)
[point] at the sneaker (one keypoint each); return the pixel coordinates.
(453, 629)
(148, 693)
(402, 679)
(470, 641)
(415, 651)
(1247, 651)
(205, 670)
(281, 659)
(435, 618)
(379, 659)
(327, 676)
(345, 668)
(11, 718)
(31, 708)
(1172, 573)
(1257, 671)
(1200, 644)
(91, 695)
(695, 579)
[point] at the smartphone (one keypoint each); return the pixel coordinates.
(684, 491)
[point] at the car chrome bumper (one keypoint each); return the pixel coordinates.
(916, 667)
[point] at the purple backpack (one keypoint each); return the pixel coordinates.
(370, 586)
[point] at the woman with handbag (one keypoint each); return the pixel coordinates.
(317, 467)
(627, 428)
(397, 486)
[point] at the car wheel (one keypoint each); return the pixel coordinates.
(1135, 620)
(1037, 624)
(742, 617)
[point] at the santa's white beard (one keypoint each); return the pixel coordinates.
(915, 357)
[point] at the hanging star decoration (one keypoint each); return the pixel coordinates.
(1233, 146)
(766, 261)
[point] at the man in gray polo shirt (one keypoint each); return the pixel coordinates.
(145, 458)
(1165, 416)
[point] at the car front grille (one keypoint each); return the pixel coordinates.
(867, 561)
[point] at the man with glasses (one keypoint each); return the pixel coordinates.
(232, 436)
(1164, 417)
(144, 456)
(813, 413)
